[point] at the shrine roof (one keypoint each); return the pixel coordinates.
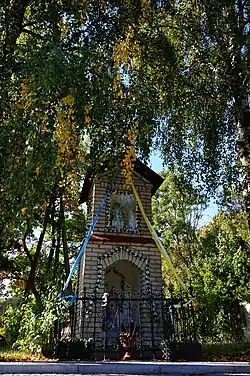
(146, 172)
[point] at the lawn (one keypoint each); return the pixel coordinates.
(10, 355)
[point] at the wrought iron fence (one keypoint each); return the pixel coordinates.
(138, 327)
(221, 324)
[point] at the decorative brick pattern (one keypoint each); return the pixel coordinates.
(101, 255)
(124, 253)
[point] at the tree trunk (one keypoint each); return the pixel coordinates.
(31, 279)
(65, 245)
(30, 283)
(242, 110)
(58, 244)
(243, 149)
(53, 240)
(13, 29)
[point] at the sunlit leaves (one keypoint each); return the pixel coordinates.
(129, 159)
(187, 65)
(177, 209)
(223, 256)
(212, 260)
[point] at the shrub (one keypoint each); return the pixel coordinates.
(30, 326)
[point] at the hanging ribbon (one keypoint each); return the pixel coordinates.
(157, 240)
(85, 242)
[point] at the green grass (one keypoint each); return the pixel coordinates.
(226, 351)
(210, 352)
(10, 355)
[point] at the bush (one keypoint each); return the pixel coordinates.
(11, 319)
(30, 326)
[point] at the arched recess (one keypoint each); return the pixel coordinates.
(120, 253)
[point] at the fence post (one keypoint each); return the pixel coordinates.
(152, 324)
(105, 328)
(94, 329)
(83, 313)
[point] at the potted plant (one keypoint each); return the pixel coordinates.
(128, 341)
(80, 348)
(62, 348)
(185, 351)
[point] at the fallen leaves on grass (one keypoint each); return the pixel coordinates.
(9, 355)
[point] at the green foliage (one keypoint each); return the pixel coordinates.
(177, 211)
(223, 259)
(30, 327)
(95, 69)
(213, 260)
(162, 70)
(11, 323)
(59, 86)
(177, 208)
(76, 226)
(220, 276)
(193, 64)
(176, 72)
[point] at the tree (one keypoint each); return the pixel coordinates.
(177, 209)
(103, 69)
(59, 83)
(76, 68)
(212, 260)
(192, 60)
(220, 276)
(43, 72)
(35, 284)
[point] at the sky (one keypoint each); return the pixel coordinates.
(157, 165)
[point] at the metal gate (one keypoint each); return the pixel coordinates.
(144, 327)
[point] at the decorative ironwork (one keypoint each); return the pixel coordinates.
(143, 327)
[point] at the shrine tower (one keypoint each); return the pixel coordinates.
(121, 259)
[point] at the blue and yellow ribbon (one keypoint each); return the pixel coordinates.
(85, 242)
(157, 239)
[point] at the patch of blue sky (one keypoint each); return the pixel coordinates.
(156, 164)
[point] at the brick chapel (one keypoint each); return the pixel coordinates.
(121, 258)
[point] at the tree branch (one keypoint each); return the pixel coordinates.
(30, 32)
(26, 250)
(14, 26)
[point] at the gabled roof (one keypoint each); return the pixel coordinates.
(151, 176)
(146, 172)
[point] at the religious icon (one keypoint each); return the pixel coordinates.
(122, 212)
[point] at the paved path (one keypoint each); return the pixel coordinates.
(120, 374)
(123, 368)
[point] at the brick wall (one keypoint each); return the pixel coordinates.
(91, 273)
(95, 249)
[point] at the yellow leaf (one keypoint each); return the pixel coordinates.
(24, 89)
(24, 211)
(86, 109)
(69, 100)
(103, 4)
(37, 170)
(88, 120)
